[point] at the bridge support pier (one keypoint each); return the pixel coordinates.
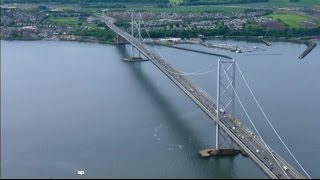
(219, 152)
(120, 40)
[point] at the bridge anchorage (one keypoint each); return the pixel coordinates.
(225, 103)
(136, 32)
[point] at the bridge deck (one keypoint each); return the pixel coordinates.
(244, 137)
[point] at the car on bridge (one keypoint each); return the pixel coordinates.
(221, 111)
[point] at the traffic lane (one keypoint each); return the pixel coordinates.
(259, 151)
(273, 156)
(239, 132)
(263, 154)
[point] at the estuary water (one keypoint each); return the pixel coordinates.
(69, 107)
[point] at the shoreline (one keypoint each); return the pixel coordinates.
(66, 40)
(308, 41)
(302, 40)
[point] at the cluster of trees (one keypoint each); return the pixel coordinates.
(104, 5)
(121, 23)
(99, 34)
(225, 31)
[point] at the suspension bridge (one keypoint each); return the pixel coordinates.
(222, 114)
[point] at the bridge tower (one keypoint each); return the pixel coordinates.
(136, 32)
(225, 92)
(225, 107)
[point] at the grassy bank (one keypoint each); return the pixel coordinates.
(291, 20)
(284, 4)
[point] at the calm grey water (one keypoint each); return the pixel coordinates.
(68, 106)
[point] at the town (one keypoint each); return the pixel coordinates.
(43, 22)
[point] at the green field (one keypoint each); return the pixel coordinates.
(175, 2)
(231, 8)
(292, 20)
(271, 3)
(284, 3)
(67, 21)
(251, 26)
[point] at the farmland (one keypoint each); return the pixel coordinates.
(292, 20)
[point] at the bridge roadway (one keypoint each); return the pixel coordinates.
(238, 132)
